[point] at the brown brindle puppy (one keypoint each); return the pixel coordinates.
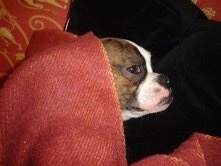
(140, 91)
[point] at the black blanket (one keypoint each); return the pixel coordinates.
(185, 45)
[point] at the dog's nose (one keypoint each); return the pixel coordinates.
(163, 80)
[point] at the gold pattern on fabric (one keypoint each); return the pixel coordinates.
(16, 28)
(209, 12)
(6, 55)
(11, 46)
(40, 4)
(37, 22)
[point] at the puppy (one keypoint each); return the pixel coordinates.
(140, 90)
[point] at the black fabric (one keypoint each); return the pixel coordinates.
(185, 45)
(155, 24)
(193, 67)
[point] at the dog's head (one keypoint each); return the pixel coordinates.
(140, 91)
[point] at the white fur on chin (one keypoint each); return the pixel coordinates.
(128, 114)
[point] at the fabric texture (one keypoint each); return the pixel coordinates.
(60, 107)
(56, 107)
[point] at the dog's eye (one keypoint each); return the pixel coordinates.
(135, 69)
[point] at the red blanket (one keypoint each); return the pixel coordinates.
(60, 107)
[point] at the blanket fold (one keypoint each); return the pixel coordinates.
(56, 106)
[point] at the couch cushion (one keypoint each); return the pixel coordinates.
(18, 20)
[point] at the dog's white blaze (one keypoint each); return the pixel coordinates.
(149, 93)
(146, 54)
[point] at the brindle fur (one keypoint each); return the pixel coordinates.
(121, 56)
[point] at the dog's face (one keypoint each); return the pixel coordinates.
(140, 91)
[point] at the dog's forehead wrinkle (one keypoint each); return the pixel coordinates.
(121, 48)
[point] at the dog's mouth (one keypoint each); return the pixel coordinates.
(163, 103)
(134, 108)
(167, 100)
